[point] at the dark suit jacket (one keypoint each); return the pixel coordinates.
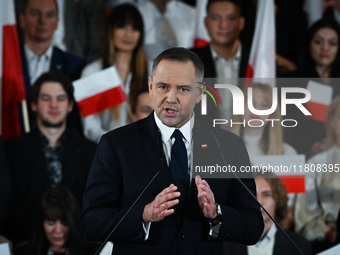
(126, 160)
(282, 245)
(84, 24)
(209, 66)
(5, 192)
(67, 64)
(210, 72)
(30, 178)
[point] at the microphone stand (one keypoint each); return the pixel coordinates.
(113, 230)
(252, 195)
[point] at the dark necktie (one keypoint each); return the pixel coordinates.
(179, 163)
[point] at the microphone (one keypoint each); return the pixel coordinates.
(161, 152)
(252, 195)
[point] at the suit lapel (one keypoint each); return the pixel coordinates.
(282, 245)
(154, 150)
(57, 62)
(209, 65)
(71, 161)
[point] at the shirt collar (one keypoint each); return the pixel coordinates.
(167, 132)
(237, 55)
(269, 237)
(30, 54)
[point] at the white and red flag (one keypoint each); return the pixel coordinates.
(98, 92)
(11, 76)
(262, 55)
(321, 97)
(289, 168)
(202, 37)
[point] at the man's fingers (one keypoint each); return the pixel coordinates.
(169, 204)
(205, 184)
(170, 196)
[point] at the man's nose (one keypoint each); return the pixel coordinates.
(53, 103)
(224, 23)
(172, 96)
(42, 18)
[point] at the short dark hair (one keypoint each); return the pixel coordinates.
(25, 3)
(279, 193)
(235, 2)
(144, 89)
(182, 55)
(53, 76)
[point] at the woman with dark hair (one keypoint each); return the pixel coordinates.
(124, 49)
(321, 56)
(320, 62)
(57, 229)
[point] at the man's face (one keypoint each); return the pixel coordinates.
(39, 20)
(224, 23)
(265, 196)
(52, 106)
(143, 107)
(170, 90)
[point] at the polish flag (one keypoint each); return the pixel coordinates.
(262, 55)
(202, 37)
(289, 168)
(321, 97)
(98, 92)
(12, 88)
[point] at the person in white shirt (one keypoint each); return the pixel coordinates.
(316, 211)
(168, 23)
(124, 49)
(39, 19)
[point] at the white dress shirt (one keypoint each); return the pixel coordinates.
(181, 18)
(37, 65)
(266, 245)
(227, 72)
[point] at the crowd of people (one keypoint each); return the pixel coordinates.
(44, 172)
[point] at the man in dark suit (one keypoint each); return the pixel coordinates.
(49, 155)
(225, 58)
(178, 213)
(39, 19)
(272, 194)
(224, 23)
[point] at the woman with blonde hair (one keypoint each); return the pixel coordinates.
(317, 210)
(267, 137)
(124, 49)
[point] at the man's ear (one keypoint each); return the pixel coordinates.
(70, 107)
(200, 93)
(33, 106)
(22, 21)
(205, 22)
(150, 86)
(242, 23)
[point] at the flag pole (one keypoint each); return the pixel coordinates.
(25, 115)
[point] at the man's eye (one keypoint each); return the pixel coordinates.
(45, 99)
(184, 89)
